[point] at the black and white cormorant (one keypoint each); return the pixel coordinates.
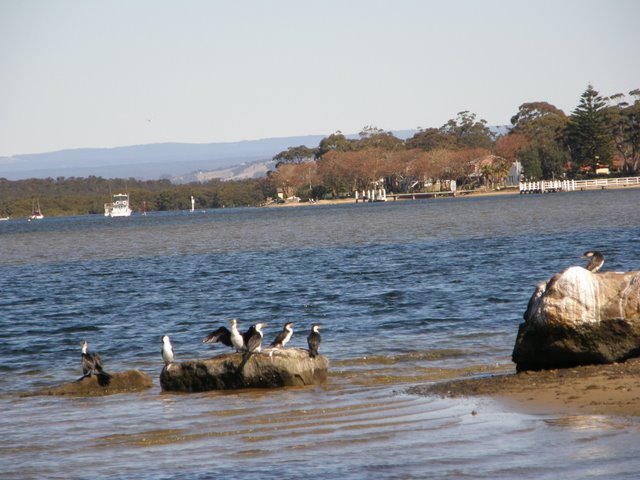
(284, 336)
(167, 350)
(314, 340)
(236, 337)
(253, 338)
(596, 262)
(92, 364)
(230, 338)
(252, 343)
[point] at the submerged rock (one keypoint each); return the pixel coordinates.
(580, 318)
(273, 367)
(120, 382)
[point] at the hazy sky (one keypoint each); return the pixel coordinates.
(88, 73)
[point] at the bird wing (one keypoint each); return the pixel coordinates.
(87, 364)
(314, 340)
(281, 336)
(222, 335)
(254, 339)
(97, 361)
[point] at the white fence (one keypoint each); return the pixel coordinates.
(570, 185)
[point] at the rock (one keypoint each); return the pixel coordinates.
(290, 367)
(120, 382)
(580, 318)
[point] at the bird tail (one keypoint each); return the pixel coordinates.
(246, 355)
(104, 378)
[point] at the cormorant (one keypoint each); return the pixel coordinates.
(252, 343)
(230, 338)
(597, 260)
(284, 336)
(314, 340)
(167, 350)
(92, 365)
(253, 338)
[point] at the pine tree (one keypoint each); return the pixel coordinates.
(588, 132)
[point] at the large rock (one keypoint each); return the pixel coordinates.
(269, 369)
(119, 382)
(580, 318)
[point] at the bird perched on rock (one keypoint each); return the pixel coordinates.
(167, 350)
(230, 338)
(92, 364)
(596, 262)
(313, 340)
(284, 336)
(252, 343)
(236, 337)
(253, 338)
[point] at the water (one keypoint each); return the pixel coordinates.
(406, 293)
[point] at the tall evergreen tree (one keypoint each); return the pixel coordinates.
(588, 132)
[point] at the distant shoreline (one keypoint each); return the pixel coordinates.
(460, 194)
(342, 201)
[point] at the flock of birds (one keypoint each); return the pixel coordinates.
(246, 343)
(250, 341)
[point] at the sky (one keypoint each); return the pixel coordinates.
(107, 73)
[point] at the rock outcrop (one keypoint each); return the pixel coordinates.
(269, 369)
(119, 382)
(580, 318)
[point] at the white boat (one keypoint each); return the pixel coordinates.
(36, 213)
(119, 207)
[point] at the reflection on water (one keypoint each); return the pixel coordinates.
(407, 293)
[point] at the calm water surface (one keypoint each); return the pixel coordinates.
(406, 292)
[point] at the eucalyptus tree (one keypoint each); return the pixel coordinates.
(374, 137)
(295, 155)
(467, 132)
(430, 139)
(336, 142)
(625, 130)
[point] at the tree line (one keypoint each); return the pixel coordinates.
(601, 131)
(82, 196)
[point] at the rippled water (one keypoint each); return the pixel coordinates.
(406, 292)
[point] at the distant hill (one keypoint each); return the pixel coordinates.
(178, 162)
(147, 162)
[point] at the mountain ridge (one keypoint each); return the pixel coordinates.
(179, 162)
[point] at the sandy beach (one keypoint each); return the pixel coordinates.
(612, 389)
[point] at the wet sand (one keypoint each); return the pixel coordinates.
(588, 390)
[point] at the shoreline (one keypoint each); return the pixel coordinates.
(460, 194)
(343, 201)
(611, 389)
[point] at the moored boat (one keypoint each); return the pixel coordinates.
(36, 213)
(119, 207)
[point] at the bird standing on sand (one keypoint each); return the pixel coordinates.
(597, 260)
(284, 336)
(167, 350)
(313, 340)
(91, 363)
